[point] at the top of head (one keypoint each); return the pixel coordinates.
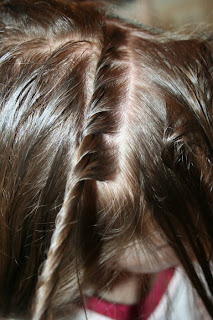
(102, 123)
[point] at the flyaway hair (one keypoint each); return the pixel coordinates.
(106, 133)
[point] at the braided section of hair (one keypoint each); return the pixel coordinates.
(94, 161)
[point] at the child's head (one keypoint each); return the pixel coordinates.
(106, 143)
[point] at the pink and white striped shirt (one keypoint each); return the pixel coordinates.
(172, 297)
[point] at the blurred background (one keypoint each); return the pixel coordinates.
(167, 14)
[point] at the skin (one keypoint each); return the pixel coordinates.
(140, 267)
(139, 260)
(126, 291)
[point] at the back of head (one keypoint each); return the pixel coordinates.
(106, 139)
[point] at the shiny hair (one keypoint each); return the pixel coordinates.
(106, 132)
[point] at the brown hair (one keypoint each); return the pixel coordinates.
(106, 129)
